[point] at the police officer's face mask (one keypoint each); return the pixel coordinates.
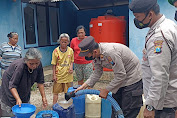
(175, 16)
(89, 58)
(140, 24)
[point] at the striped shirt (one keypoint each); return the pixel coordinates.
(9, 54)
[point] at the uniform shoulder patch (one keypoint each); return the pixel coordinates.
(158, 46)
(110, 61)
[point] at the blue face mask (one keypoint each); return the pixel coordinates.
(89, 58)
(139, 24)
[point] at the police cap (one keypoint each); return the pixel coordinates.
(87, 45)
(141, 6)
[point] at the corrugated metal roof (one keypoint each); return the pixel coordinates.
(56, 0)
(45, 0)
(92, 4)
(88, 4)
(38, 0)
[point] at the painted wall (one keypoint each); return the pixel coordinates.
(84, 16)
(10, 20)
(137, 36)
(68, 18)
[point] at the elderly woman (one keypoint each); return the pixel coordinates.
(18, 79)
(83, 68)
(9, 51)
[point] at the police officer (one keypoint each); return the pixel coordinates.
(159, 64)
(127, 83)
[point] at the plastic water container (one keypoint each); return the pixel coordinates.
(106, 108)
(79, 103)
(47, 114)
(92, 106)
(65, 104)
(25, 111)
(64, 113)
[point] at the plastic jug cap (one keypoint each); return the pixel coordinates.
(93, 98)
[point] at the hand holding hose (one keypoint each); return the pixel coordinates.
(103, 93)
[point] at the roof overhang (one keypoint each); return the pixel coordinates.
(38, 1)
(45, 0)
(92, 4)
(88, 4)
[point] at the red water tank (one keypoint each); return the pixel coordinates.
(110, 29)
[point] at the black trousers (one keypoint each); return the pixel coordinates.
(130, 99)
(165, 113)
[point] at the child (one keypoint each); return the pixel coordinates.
(62, 61)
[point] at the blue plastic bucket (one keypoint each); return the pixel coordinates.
(64, 113)
(25, 111)
(106, 108)
(79, 103)
(47, 114)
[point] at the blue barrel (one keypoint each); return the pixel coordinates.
(47, 114)
(106, 108)
(64, 113)
(79, 103)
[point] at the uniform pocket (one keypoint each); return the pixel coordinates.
(137, 92)
(137, 98)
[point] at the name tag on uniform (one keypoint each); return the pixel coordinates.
(111, 61)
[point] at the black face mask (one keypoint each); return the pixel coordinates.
(89, 58)
(139, 24)
(175, 16)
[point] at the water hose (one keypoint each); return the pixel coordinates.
(118, 111)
